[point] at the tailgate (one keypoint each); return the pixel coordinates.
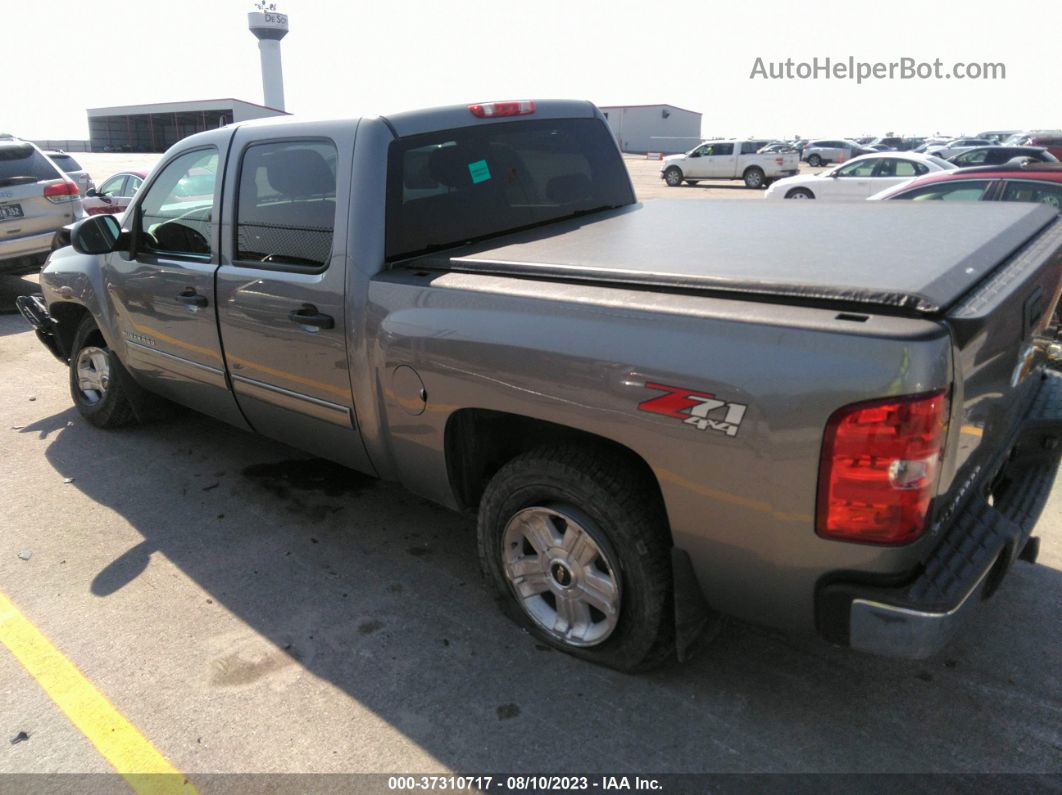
(998, 331)
(778, 162)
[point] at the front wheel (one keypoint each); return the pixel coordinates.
(814, 161)
(673, 177)
(800, 193)
(98, 380)
(575, 543)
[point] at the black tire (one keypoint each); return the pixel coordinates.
(622, 513)
(814, 161)
(673, 176)
(110, 407)
(754, 177)
(800, 193)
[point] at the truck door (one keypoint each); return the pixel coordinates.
(721, 163)
(282, 287)
(163, 290)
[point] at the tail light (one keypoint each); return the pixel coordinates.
(489, 110)
(879, 467)
(59, 192)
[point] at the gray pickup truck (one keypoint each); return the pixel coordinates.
(659, 416)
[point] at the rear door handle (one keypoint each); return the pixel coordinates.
(190, 297)
(309, 316)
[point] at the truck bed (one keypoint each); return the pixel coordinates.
(914, 258)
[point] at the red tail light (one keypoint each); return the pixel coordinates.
(488, 110)
(879, 468)
(60, 192)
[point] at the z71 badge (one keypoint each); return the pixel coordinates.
(699, 409)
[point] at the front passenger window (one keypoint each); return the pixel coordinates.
(176, 213)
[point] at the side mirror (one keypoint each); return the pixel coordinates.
(97, 234)
(695, 154)
(835, 174)
(90, 192)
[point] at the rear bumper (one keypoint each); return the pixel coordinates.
(16, 247)
(917, 618)
(34, 310)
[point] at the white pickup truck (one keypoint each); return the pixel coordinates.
(729, 160)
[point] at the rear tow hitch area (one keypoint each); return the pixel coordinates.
(975, 553)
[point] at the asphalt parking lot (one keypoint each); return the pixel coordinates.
(248, 610)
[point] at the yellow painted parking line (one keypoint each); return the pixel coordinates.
(144, 768)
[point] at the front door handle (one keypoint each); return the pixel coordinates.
(309, 316)
(190, 297)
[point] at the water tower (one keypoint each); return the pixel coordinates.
(269, 28)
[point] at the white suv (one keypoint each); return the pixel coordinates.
(36, 201)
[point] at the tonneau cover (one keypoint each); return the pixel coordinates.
(903, 255)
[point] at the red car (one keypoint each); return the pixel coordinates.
(114, 195)
(1033, 182)
(1052, 142)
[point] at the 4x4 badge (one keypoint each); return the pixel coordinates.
(699, 409)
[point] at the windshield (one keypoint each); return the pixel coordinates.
(451, 187)
(65, 162)
(939, 161)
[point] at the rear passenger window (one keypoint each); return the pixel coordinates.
(1045, 193)
(286, 204)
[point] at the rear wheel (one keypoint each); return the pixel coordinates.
(575, 543)
(814, 161)
(98, 380)
(673, 176)
(800, 193)
(754, 177)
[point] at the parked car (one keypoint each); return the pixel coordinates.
(957, 145)
(729, 160)
(930, 143)
(996, 155)
(891, 143)
(817, 153)
(1035, 182)
(69, 166)
(1051, 141)
(36, 200)
(656, 415)
(997, 136)
(114, 195)
(858, 178)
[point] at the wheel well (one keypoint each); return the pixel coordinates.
(67, 318)
(751, 168)
(791, 191)
(479, 442)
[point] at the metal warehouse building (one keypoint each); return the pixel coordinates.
(653, 128)
(155, 128)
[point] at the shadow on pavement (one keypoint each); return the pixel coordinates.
(378, 592)
(10, 288)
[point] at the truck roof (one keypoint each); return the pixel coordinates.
(900, 256)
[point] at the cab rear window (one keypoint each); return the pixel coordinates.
(21, 164)
(456, 186)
